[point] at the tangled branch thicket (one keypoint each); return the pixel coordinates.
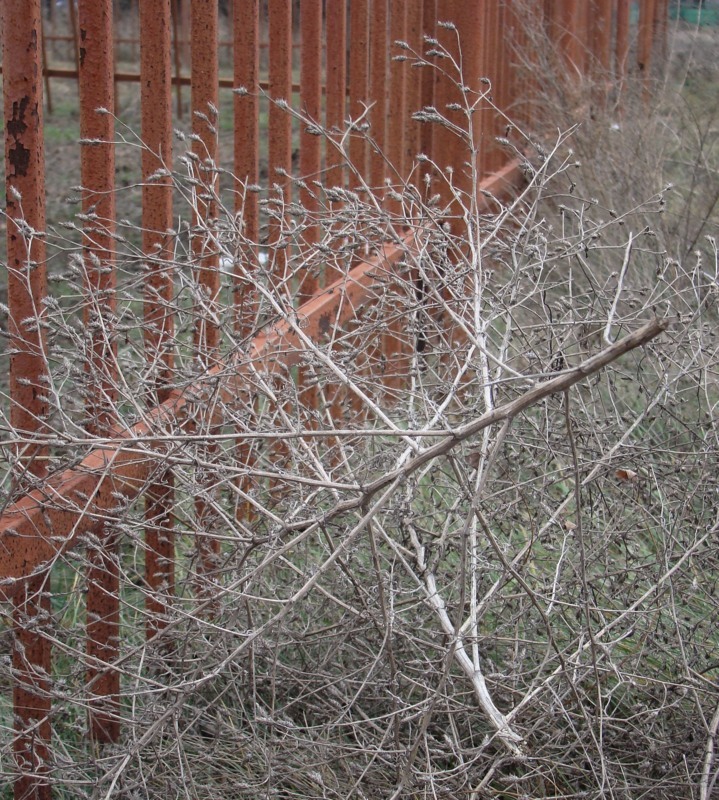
(529, 610)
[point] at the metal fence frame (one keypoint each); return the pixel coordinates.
(44, 522)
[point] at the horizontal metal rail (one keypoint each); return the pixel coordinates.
(49, 521)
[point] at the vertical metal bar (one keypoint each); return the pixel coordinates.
(31, 689)
(310, 154)
(98, 203)
(335, 97)
(358, 85)
(476, 26)
(571, 39)
(378, 91)
(156, 107)
(429, 23)
(246, 35)
(661, 29)
(444, 143)
(645, 37)
(503, 92)
(246, 55)
(398, 119)
(280, 122)
(311, 100)
(519, 52)
(336, 60)
(413, 35)
(397, 109)
(488, 66)
(205, 102)
(27, 288)
(601, 28)
(622, 43)
(280, 140)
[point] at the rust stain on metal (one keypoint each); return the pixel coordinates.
(156, 107)
(27, 288)
(97, 165)
(205, 101)
(49, 521)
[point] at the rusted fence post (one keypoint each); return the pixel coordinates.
(310, 141)
(280, 122)
(429, 29)
(358, 86)
(397, 107)
(645, 37)
(379, 52)
(246, 102)
(601, 37)
(27, 287)
(279, 161)
(335, 97)
(205, 103)
(310, 163)
(156, 103)
(622, 42)
(98, 204)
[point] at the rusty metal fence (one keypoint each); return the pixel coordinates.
(355, 68)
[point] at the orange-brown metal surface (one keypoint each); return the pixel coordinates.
(378, 91)
(205, 105)
(429, 29)
(279, 158)
(645, 37)
(246, 32)
(397, 107)
(156, 107)
(310, 142)
(280, 122)
(96, 89)
(49, 521)
(98, 202)
(601, 29)
(358, 85)
(31, 688)
(310, 162)
(335, 94)
(246, 160)
(27, 288)
(413, 87)
(622, 39)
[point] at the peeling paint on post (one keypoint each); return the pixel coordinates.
(156, 100)
(97, 98)
(27, 287)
